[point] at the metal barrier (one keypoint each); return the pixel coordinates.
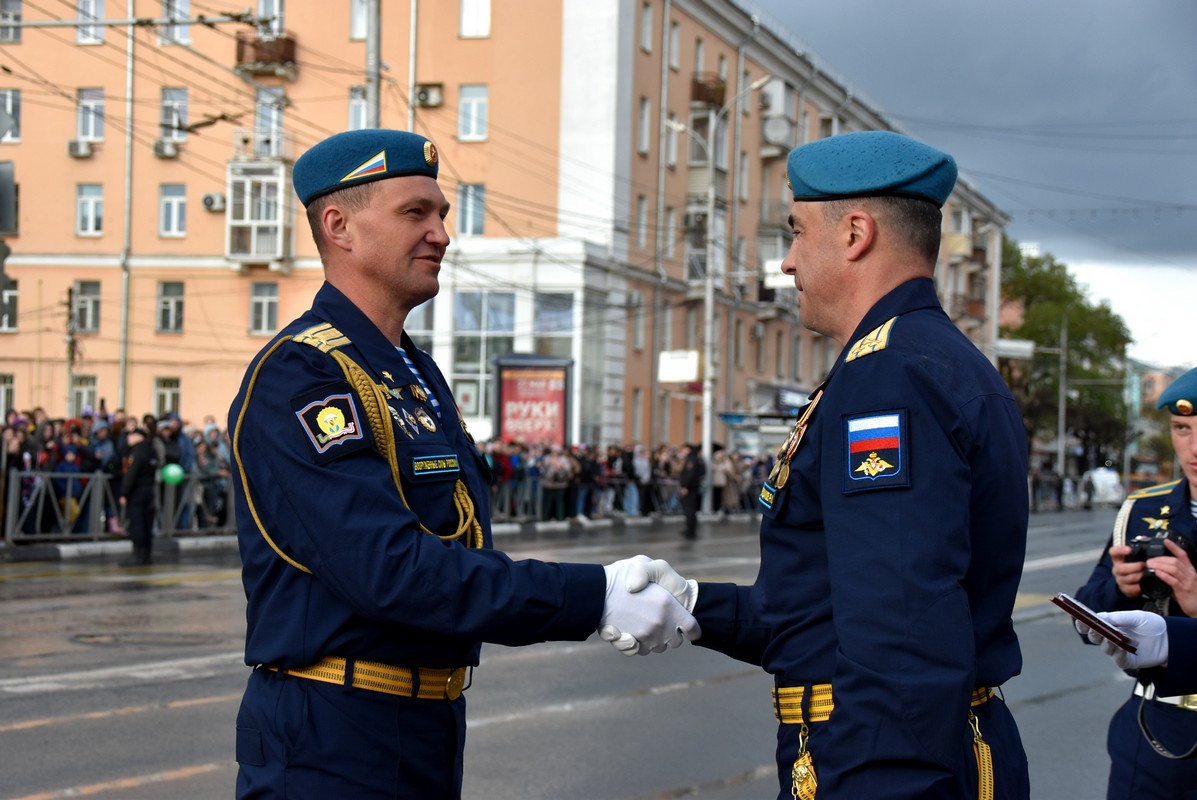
(71, 506)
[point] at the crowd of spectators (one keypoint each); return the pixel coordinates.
(54, 460)
(531, 482)
(550, 482)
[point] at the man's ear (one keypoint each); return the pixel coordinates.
(861, 233)
(335, 227)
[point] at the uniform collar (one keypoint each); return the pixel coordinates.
(913, 295)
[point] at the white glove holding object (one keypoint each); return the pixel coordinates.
(649, 619)
(1148, 631)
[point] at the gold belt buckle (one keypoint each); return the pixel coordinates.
(1188, 701)
(455, 684)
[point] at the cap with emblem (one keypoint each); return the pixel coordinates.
(356, 157)
(870, 163)
(1181, 397)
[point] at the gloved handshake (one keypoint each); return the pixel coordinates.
(648, 607)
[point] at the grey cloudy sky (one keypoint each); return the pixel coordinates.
(1078, 118)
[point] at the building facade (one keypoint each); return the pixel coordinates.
(616, 171)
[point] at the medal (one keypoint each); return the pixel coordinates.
(783, 475)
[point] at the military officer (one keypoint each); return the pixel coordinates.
(362, 514)
(894, 521)
(1148, 565)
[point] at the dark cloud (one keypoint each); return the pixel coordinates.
(1076, 117)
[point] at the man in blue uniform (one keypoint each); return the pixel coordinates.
(362, 514)
(1148, 566)
(894, 520)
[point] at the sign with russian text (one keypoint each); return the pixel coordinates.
(533, 403)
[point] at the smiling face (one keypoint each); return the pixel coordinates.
(1184, 441)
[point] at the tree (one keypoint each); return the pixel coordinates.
(1054, 310)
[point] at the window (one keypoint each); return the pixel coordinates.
(721, 143)
(484, 327)
(263, 309)
(742, 176)
(471, 207)
(641, 221)
(472, 103)
(174, 114)
(700, 54)
(83, 394)
(779, 359)
(357, 108)
(691, 328)
(475, 18)
(89, 115)
(358, 22)
(10, 16)
(268, 121)
(166, 396)
(667, 327)
(796, 360)
(89, 209)
(10, 115)
(170, 306)
(636, 304)
(675, 46)
(273, 9)
(723, 69)
(178, 32)
(646, 27)
(86, 306)
(172, 210)
(553, 315)
(758, 337)
(644, 126)
(637, 414)
(418, 325)
(86, 14)
(8, 305)
(671, 134)
(738, 344)
(699, 127)
(8, 394)
(255, 216)
(670, 232)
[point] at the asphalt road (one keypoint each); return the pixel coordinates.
(124, 683)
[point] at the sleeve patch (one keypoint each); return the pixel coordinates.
(875, 449)
(330, 421)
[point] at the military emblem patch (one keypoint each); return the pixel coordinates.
(330, 420)
(875, 451)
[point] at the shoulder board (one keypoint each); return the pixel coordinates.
(323, 337)
(873, 341)
(1153, 491)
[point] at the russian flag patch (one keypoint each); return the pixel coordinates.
(372, 166)
(875, 447)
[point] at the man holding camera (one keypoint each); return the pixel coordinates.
(1149, 566)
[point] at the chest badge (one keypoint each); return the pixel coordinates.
(425, 419)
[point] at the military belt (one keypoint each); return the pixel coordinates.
(1185, 701)
(788, 703)
(422, 683)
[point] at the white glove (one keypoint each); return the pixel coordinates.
(643, 572)
(647, 620)
(1148, 631)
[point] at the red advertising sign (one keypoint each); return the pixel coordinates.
(532, 404)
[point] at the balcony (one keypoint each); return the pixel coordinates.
(257, 55)
(708, 88)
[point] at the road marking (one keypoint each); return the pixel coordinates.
(134, 782)
(127, 711)
(178, 669)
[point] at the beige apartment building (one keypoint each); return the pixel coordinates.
(616, 169)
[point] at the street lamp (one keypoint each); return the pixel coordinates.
(708, 299)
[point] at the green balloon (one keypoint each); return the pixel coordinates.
(172, 474)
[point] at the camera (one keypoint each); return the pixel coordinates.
(1145, 547)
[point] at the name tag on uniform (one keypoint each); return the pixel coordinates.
(435, 466)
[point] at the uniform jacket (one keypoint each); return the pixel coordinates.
(339, 561)
(890, 572)
(1167, 504)
(1180, 677)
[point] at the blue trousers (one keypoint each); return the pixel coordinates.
(299, 739)
(1136, 770)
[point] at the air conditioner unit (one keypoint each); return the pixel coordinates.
(166, 148)
(78, 148)
(694, 220)
(214, 201)
(429, 95)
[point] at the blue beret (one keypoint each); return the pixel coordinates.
(1181, 396)
(355, 157)
(870, 163)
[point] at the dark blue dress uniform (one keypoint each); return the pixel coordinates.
(367, 563)
(892, 544)
(1136, 770)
